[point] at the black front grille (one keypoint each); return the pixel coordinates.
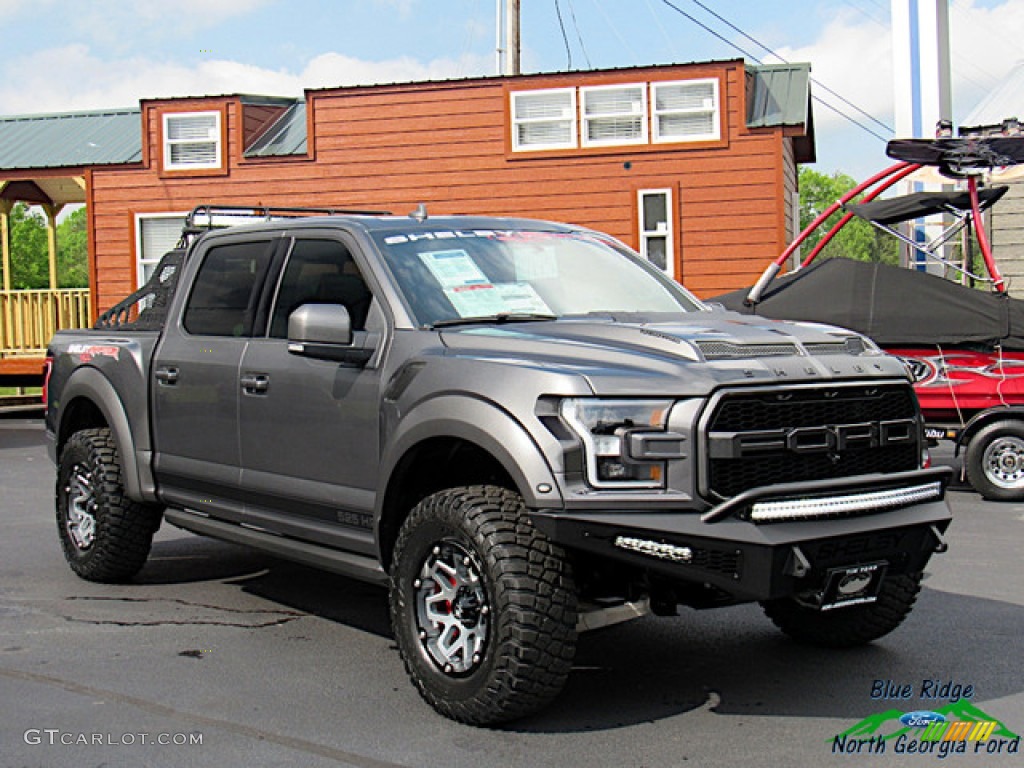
(785, 436)
(750, 412)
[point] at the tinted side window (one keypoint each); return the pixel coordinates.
(223, 296)
(320, 272)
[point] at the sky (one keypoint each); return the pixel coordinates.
(65, 55)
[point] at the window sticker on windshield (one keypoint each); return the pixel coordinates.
(521, 298)
(502, 298)
(535, 262)
(475, 300)
(453, 269)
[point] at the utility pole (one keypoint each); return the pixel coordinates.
(509, 43)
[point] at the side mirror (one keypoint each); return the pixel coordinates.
(320, 324)
(324, 332)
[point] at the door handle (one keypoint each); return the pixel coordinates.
(167, 375)
(255, 383)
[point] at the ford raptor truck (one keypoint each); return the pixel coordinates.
(518, 427)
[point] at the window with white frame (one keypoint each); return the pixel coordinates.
(544, 119)
(614, 114)
(686, 110)
(192, 140)
(654, 208)
(155, 235)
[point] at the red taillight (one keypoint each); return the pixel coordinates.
(926, 459)
(47, 370)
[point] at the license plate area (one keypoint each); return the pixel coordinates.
(852, 585)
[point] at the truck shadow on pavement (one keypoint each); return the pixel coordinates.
(732, 662)
(735, 663)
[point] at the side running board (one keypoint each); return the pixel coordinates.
(345, 563)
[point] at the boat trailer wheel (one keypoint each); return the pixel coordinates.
(1003, 461)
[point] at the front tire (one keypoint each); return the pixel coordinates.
(851, 626)
(105, 536)
(482, 605)
(995, 461)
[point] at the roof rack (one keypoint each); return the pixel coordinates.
(217, 216)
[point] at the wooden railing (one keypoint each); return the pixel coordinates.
(29, 318)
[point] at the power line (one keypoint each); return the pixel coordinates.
(615, 29)
(757, 60)
(660, 27)
(866, 15)
(818, 83)
(572, 13)
(565, 37)
(710, 31)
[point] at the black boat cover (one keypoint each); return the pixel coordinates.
(916, 205)
(956, 156)
(893, 306)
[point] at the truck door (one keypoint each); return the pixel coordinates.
(195, 379)
(309, 427)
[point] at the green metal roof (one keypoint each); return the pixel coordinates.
(779, 95)
(102, 137)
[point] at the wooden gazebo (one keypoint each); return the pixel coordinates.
(46, 160)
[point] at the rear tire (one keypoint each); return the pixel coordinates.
(995, 461)
(106, 536)
(847, 627)
(482, 606)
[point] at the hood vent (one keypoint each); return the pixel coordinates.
(726, 350)
(852, 345)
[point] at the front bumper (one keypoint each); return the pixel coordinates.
(726, 549)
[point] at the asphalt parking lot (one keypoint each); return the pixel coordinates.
(218, 655)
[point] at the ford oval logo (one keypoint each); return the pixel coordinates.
(921, 718)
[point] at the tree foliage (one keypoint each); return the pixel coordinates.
(30, 260)
(858, 239)
(73, 250)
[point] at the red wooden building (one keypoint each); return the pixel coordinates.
(695, 165)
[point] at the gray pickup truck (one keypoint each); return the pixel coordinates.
(519, 427)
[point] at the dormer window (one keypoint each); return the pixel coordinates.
(192, 141)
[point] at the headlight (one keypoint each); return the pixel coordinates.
(606, 427)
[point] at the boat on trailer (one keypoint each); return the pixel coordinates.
(963, 346)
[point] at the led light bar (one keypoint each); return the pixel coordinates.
(655, 549)
(842, 506)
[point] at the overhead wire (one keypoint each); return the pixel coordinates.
(579, 36)
(960, 61)
(661, 28)
(817, 82)
(615, 29)
(757, 60)
(470, 34)
(565, 37)
(860, 10)
(961, 11)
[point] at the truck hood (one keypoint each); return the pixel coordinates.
(687, 354)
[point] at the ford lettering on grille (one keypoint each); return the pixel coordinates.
(830, 439)
(756, 438)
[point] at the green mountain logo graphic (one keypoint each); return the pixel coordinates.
(887, 724)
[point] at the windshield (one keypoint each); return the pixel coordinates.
(447, 276)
